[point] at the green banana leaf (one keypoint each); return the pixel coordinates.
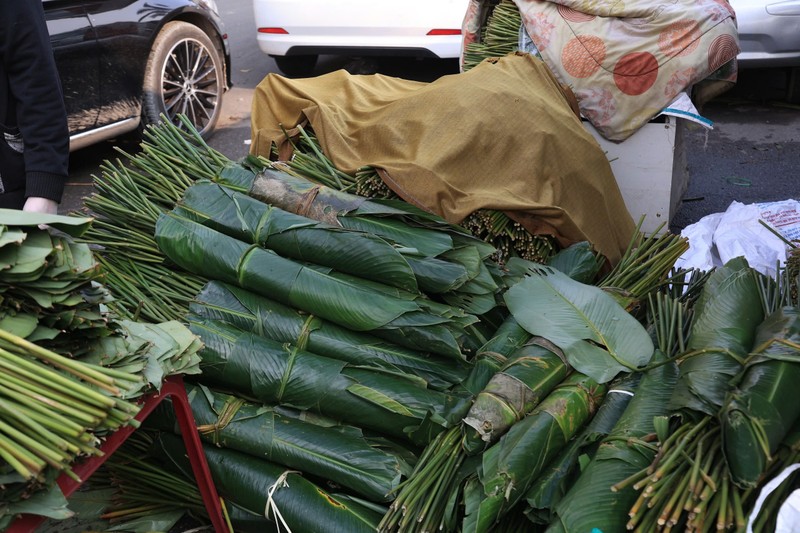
(391, 404)
(761, 410)
(396, 220)
(266, 489)
(428, 497)
(493, 354)
(360, 305)
(723, 329)
(294, 236)
(435, 276)
(26, 262)
(74, 226)
(579, 261)
(598, 337)
(341, 209)
(510, 467)
(527, 377)
(214, 255)
(341, 455)
(268, 318)
(590, 502)
(559, 476)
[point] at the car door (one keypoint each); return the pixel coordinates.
(75, 51)
(124, 29)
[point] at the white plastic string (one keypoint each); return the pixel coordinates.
(272, 506)
(620, 391)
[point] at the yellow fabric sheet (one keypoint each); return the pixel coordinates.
(502, 136)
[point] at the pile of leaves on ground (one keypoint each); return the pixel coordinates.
(351, 381)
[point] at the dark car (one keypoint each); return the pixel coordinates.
(125, 62)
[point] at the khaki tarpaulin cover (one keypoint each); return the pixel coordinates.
(502, 136)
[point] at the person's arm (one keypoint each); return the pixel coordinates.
(41, 115)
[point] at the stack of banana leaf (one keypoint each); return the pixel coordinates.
(70, 371)
(344, 389)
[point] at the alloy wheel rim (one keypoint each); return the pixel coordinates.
(189, 84)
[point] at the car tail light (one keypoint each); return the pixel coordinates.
(279, 31)
(444, 32)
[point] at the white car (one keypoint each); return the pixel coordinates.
(296, 32)
(769, 32)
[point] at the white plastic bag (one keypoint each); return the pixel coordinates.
(789, 514)
(717, 238)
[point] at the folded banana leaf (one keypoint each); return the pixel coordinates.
(48, 290)
(360, 306)
(325, 204)
(73, 226)
(391, 404)
(763, 407)
(285, 499)
(427, 498)
(294, 236)
(251, 312)
(509, 467)
(597, 335)
(526, 378)
(558, 477)
(339, 454)
(433, 247)
(591, 502)
(722, 332)
(350, 251)
(493, 354)
(153, 351)
(418, 233)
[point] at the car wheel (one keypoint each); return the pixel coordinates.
(185, 75)
(296, 66)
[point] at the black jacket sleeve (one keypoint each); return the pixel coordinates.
(35, 90)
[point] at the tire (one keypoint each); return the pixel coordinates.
(296, 66)
(185, 74)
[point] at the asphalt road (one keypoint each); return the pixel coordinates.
(751, 155)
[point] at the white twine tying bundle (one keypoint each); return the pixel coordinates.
(272, 506)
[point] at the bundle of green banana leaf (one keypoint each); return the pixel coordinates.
(424, 236)
(273, 497)
(698, 492)
(255, 313)
(46, 280)
(354, 252)
(405, 318)
(343, 455)
(761, 410)
(601, 496)
(561, 473)
(388, 403)
(510, 466)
